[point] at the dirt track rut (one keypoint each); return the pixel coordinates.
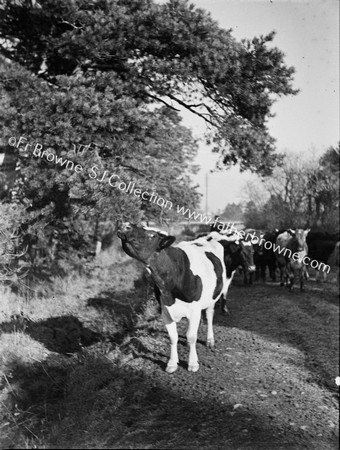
(269, 384)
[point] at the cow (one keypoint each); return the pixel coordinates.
(190, 277)
(264, 255)
(217, 226)
(240, 254)
(254, 237)
(333, 260)
(234, 235)
(321, 246)
(291, 250)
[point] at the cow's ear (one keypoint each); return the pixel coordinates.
(234, 247)
(166, 241)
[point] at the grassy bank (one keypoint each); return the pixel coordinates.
(63, 352)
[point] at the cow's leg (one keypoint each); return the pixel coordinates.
(317, 276)
(290, 278)
(223, 297)
(302, 289)
(321, 278)
(282, 275)
(272, 272)
(210, 331)
(223, 301)
(171, 327)
(302, 278)
(194, 322)
(245, 277)
(173, 335)
(257, 272)
(263, 272)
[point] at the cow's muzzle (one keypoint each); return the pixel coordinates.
(121, 235)
(251, 269)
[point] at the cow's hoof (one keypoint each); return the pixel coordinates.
(171, 368)
(193, 367)
(211, 344)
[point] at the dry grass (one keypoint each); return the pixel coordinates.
(59, 349)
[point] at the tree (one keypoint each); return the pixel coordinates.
(323, 190)
(106, 77)
(303, 193)
(12, 266)
(149, 148)
(232, 212)
(173, 54)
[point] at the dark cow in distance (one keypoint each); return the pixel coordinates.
(265, 257)
(321, 247)
(234, 235)
(190, 277)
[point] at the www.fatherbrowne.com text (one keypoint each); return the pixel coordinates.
(129, 187)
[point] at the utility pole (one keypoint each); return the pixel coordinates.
(206, 193)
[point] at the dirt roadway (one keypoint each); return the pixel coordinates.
(270, 383)
(73, 378)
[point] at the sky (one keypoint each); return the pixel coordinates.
(307, 32)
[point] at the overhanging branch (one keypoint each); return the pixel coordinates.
(162, 101)
(189, 107)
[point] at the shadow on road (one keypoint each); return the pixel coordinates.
(307, 321)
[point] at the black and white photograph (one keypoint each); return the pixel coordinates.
(169, 224)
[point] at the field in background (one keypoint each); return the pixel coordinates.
(82, 366)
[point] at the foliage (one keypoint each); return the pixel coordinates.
(301, 194)
(150, 148)
(253, 216)
(172, 53)
(105, 77)
(323, 190)
(232, 212)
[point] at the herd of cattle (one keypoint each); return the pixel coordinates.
(192, 276)
(319, 250)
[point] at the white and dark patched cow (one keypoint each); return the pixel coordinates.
(190, 277)
(290, 253)
(239, 253)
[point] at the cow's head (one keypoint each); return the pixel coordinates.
(300, 236)
(240, 253)
(141, 242)
(247, 256)
(255, 238)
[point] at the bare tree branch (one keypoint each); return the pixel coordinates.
(162, 101)
(185, 105)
